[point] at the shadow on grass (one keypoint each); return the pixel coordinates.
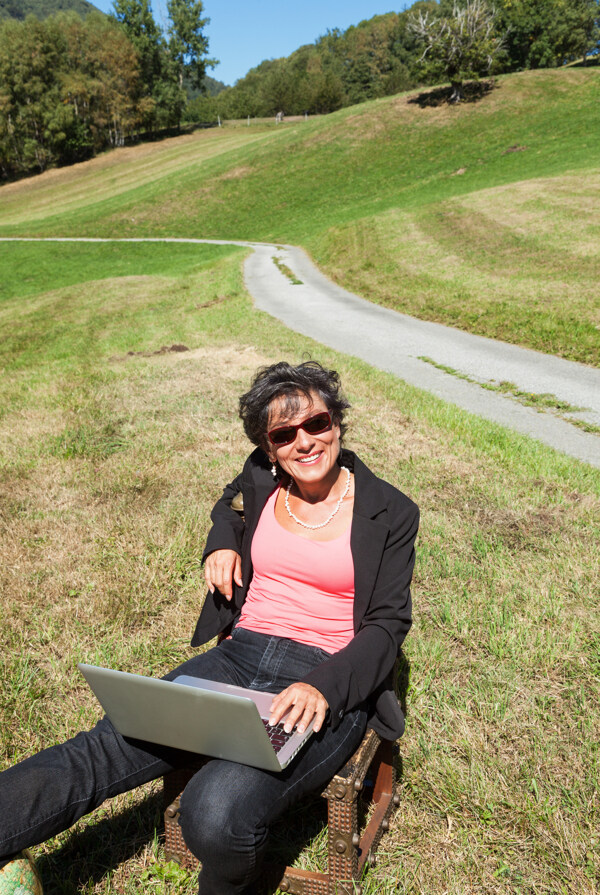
(473, 91)
(588, 62)
(300, 837)
(91, 853)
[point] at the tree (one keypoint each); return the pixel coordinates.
(546, 33)
(136, 19)
(404, 49)
(167, 64)
(461, 45)
(33, 123)
(325, 86)
(112, 66)
(188, 45)
(68, 89)
(367, 57)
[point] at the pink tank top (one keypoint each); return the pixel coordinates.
(301, 589)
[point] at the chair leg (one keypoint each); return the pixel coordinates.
(173, 785)
(385, 798)
(343, 841)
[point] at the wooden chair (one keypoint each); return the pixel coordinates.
(348, 849)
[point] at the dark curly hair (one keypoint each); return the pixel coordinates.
(282, 380)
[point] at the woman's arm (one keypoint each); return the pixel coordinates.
(227, 525)
(350, 676)
(222, 554)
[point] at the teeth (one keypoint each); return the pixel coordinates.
(308, 459)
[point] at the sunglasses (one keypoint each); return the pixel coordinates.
(314, 425)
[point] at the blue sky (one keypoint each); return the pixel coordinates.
(243, 33)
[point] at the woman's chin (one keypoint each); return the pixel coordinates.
(314, 471)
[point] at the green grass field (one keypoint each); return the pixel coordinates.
(118, 428)
(482, 216)
(112, 457)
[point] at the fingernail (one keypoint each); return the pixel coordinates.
(272, 721)
(288, 728)
(301, 728)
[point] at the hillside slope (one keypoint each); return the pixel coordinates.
(20, 9)
(449, 213)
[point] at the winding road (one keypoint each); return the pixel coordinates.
(396, 343)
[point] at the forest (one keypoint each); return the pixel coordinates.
(41, 9)
(383, 55)
(72, 86)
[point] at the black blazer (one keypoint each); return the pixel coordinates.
(384, 528)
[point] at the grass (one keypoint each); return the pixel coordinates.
(541, 400)
(112, 454)
(285, 270)
(430, 210)
(28, 268)
(517, 263)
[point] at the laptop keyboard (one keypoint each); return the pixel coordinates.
(277, 735)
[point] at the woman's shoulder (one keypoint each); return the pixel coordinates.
(257, 475)
(395, 495)
(257, 465)
(378, 490)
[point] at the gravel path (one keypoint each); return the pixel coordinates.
(395, 343)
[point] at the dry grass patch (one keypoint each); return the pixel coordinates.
(510, 263)
(558, 212)
(236, 173)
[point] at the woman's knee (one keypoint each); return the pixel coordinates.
(221, 813)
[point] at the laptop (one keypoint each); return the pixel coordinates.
(220, 720)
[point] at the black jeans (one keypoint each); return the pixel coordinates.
(226, 808)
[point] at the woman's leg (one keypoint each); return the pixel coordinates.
(45, 794)
(227, 808)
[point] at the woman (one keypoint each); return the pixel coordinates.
(312, 589)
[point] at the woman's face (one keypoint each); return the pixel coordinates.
(309, 458)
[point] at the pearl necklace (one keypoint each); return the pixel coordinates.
(328, 520)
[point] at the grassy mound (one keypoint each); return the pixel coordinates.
(481, 216)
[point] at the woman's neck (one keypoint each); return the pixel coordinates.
(317, 492)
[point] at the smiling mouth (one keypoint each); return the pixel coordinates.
(310, 459)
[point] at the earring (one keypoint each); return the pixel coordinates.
(274, 471)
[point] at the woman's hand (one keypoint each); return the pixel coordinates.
(305, 703)
(221, 569)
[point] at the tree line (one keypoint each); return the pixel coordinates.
(20, 9)
(71, 87)
(386, 55)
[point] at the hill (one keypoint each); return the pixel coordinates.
(20, 9)
(123, 363)
(480, 216)
(212, 86)
(382, 56)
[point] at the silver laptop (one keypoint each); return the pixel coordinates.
(197, 715)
